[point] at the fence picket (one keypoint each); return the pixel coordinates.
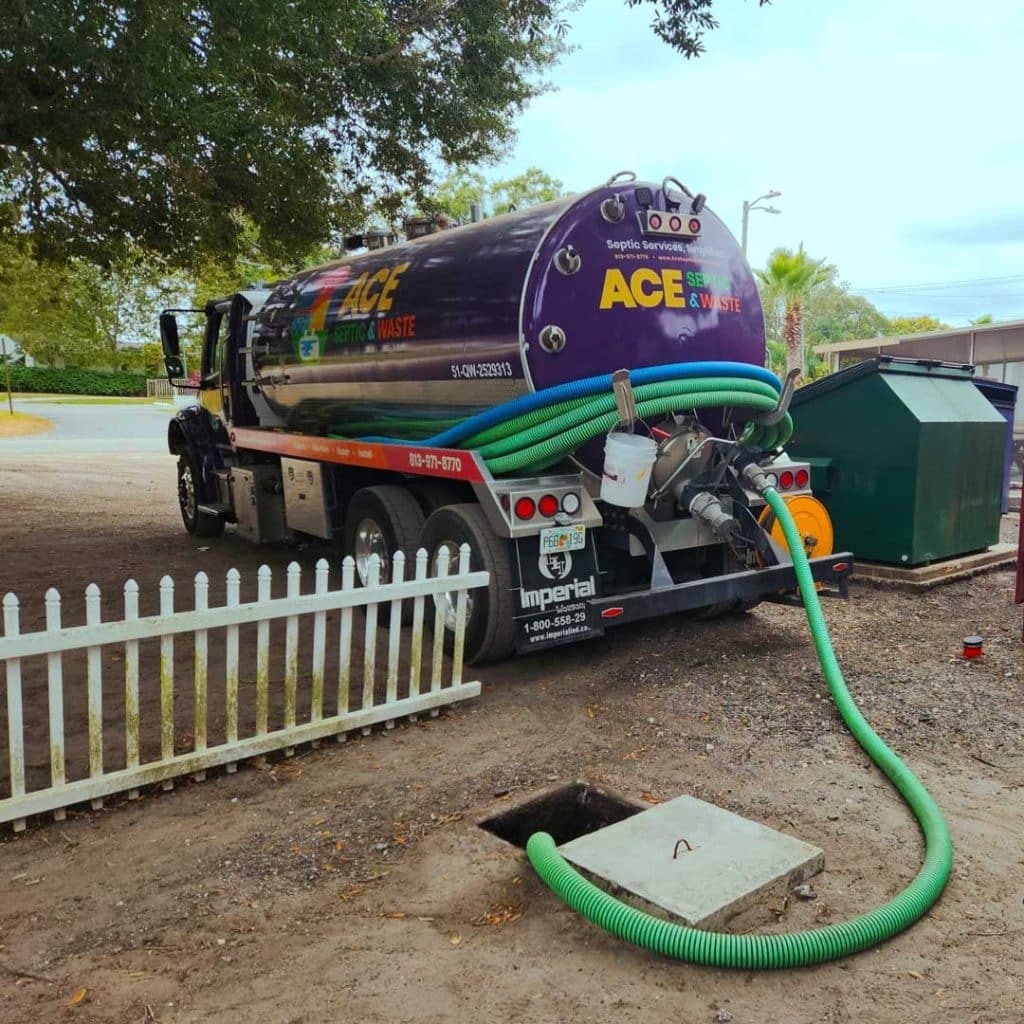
(348, 571)
(55, 696)
(167, 678)
(201, 680)
(316, 710)
(94, 686)
(291, 651)
(370, 639)
(416, 647)
(440, 611)
(232, 599)
(447, 590)
(262, 653)
(459, 647)
(131, 684)
(394, 636)
(15, 719)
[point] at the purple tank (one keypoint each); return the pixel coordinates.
(406, 340)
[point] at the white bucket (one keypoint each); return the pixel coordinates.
(628, 461)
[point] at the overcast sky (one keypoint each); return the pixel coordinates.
(894, 131)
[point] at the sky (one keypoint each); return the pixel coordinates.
(894, 132)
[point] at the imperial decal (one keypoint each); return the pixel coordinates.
(576, 590)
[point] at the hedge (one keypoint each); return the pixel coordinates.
(75, 382)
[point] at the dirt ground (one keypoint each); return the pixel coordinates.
(352, 881)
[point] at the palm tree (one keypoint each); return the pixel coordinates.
(789, 278)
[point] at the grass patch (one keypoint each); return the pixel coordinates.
(82, 399)
(21, 424)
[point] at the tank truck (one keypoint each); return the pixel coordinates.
(576, 390)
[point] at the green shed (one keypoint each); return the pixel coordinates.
(906, 455)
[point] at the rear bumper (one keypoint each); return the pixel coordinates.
(766, 583)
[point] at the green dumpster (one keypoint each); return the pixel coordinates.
(906, 455)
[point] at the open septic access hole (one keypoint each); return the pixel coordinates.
(566, 813)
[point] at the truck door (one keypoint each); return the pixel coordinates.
(212, 370)
(238, 409)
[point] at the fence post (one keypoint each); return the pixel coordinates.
(15, 720)
(262, 653)
(440, 612)
(55, 695)
(316, 701)
(416, 649)
(94, 659)
(131, 684)
(458, 650)
(167, 678)
(370, 638)
(394, 635)
(202, 599)
(234, 581)
(348, 571)
(291, 651)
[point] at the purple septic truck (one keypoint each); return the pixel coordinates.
(455, 388)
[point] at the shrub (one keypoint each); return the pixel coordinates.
(70, 381)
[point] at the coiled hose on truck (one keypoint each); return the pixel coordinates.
(538, 429)
(796, 949)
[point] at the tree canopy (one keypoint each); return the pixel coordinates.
(172, 126)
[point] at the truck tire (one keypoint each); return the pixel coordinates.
(197, 522)
(490, 626)
(380, 521)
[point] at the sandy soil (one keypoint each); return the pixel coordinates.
(352, 882)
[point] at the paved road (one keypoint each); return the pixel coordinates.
(81, 428)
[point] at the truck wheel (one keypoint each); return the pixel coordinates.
(490, 626)
(197, 522)
(381, 521)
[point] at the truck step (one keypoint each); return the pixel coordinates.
(215, 509)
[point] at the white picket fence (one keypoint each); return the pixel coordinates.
(54, 642)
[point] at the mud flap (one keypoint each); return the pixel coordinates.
(553, 602)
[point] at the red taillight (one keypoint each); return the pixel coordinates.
(694, 226)
(506, 502)
(525, 508)
(675, 223)
(840, 566)
(803, 478)
(654, 221)
(548, 505)
(785, 480)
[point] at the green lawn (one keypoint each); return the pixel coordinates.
(83, 399)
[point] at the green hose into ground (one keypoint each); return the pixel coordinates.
(797, 949)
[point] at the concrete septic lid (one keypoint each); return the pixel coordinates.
(731, 861)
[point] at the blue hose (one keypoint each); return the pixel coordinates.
(581, 389)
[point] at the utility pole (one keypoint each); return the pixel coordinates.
(7, 373)
(752, 205)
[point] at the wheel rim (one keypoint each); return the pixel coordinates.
(370, 541)
(447, 600)
(187, 493)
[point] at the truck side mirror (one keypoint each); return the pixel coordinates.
(175, 368)
(169, 337)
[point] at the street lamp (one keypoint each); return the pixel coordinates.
(748, 206)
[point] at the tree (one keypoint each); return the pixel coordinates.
(788, 280)
(832, 313)
(531, 187)
(682, 23)
(172, 126)
(914, 325)
(983, 320)
(160, 125)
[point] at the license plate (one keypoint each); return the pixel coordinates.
(563, 538)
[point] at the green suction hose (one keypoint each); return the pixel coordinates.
(797, 949)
